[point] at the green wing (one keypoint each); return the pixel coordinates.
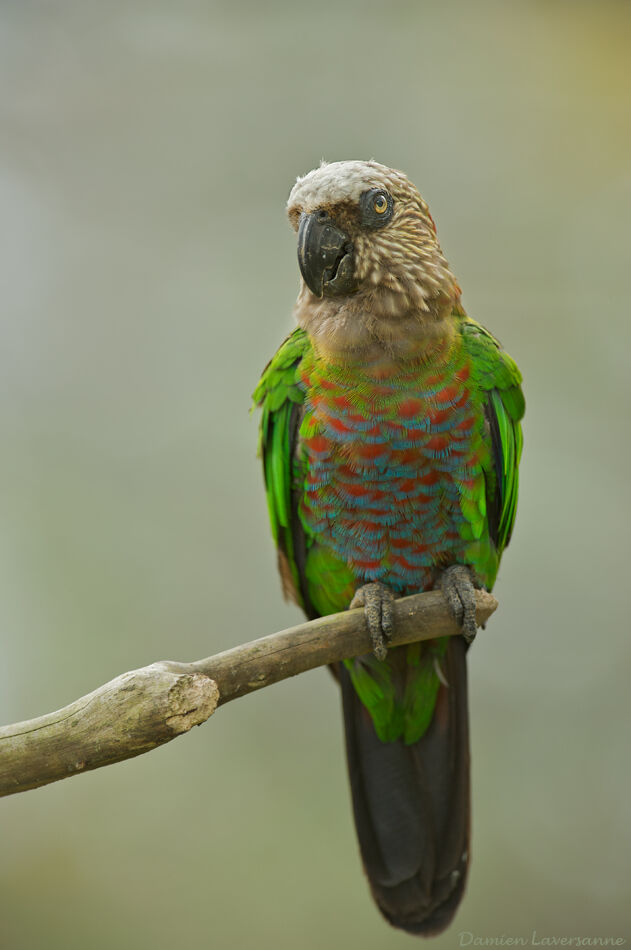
(497, 377)
(281, 396)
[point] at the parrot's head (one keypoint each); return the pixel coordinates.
(372, 268)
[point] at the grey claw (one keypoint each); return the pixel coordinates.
(457, 585)
(378, 603)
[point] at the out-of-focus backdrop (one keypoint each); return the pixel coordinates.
(147, 274)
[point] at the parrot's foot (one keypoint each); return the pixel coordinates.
(457, 585)
(378, 603)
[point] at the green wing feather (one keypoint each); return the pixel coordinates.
(280, 394)
(497, 376)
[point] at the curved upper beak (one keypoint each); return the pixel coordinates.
(325, 256)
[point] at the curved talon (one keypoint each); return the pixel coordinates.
(457, 585)
(378, 603)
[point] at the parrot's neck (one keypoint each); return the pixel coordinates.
(347, 332)
(379, 364)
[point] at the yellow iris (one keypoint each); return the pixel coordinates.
(380, 204)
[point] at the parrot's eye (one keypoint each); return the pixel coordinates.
(380, 204)
(376, 207)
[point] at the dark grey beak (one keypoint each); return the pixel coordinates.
(325, 256)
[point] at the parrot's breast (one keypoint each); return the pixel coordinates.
(392, 463)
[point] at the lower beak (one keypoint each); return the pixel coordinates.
(325, 256)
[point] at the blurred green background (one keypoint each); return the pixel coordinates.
(147, 274)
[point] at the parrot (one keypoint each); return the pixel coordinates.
(390, 437)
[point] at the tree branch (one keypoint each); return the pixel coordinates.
(145, 708)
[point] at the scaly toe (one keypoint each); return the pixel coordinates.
(378, 603)
(457, 586)
(469, 626)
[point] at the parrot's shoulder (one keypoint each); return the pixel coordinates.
(492, 367)
(279, 380)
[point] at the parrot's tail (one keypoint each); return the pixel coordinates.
(411, 805)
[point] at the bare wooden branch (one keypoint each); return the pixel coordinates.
(129, 715)
(145, 708)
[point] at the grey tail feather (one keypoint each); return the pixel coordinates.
(412, 804)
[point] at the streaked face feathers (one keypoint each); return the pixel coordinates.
(402, 288)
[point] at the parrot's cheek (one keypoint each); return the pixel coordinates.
(325, 256)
